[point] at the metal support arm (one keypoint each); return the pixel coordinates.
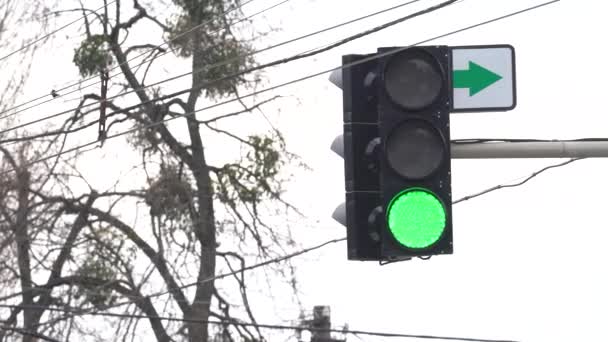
(548, 149)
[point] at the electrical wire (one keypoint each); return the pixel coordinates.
(257, 325)
(502, 186)
(259, 51)
(364, 60)
(310, 249)
(26, 332)
(213, 278)
(211, 67)
(270, 64)
(60, 93)
(498, 140)
(166, 42)
(494, 188)
(25, 46)
(162, 52)
(275, 260)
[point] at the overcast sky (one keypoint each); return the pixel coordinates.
(528, 262)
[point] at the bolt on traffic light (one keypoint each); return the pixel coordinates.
(396, 152)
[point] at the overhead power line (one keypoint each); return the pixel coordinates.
(26, 332)
(503, 186)
(307, 250)
(59, 92)
(310, 249)
(207, 68)
(508, 140)
(289, 82)
(257, 325)
(213, 278)
(292, 255)
(25, 46)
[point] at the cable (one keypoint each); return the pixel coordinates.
(275, 260)
(279, 259)
(364, 60)
(489, 141)
(272, 46)
(219, 276)
(498, 187)
(209, 67)
(494, 188)
(129, 60)
(52, 33)
(258, 325)
(28, 333)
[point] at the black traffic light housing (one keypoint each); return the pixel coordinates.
(414, 127)
(396, 141)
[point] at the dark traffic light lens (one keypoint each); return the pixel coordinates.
(415, 149)
(416, 218)
(412, 79)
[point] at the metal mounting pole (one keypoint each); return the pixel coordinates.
(548, 149)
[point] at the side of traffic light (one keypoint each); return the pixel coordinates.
(357, 145)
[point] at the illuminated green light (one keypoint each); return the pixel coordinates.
(416, 218)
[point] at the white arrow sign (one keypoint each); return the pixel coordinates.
(483, 78)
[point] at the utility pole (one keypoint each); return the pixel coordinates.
(321, 319)
(320, 325)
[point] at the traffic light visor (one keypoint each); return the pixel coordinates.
(416, 218)
(412, 79)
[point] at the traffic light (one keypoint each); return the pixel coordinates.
(413, 93)
(396, 153)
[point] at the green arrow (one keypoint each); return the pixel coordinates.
(476, 78)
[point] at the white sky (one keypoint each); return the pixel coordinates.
(528, 261)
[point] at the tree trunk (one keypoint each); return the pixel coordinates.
(204, 226)
(23, 249)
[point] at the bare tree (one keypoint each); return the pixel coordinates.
(88, 253)
(22, 219)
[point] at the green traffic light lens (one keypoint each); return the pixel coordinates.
(416, 218)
